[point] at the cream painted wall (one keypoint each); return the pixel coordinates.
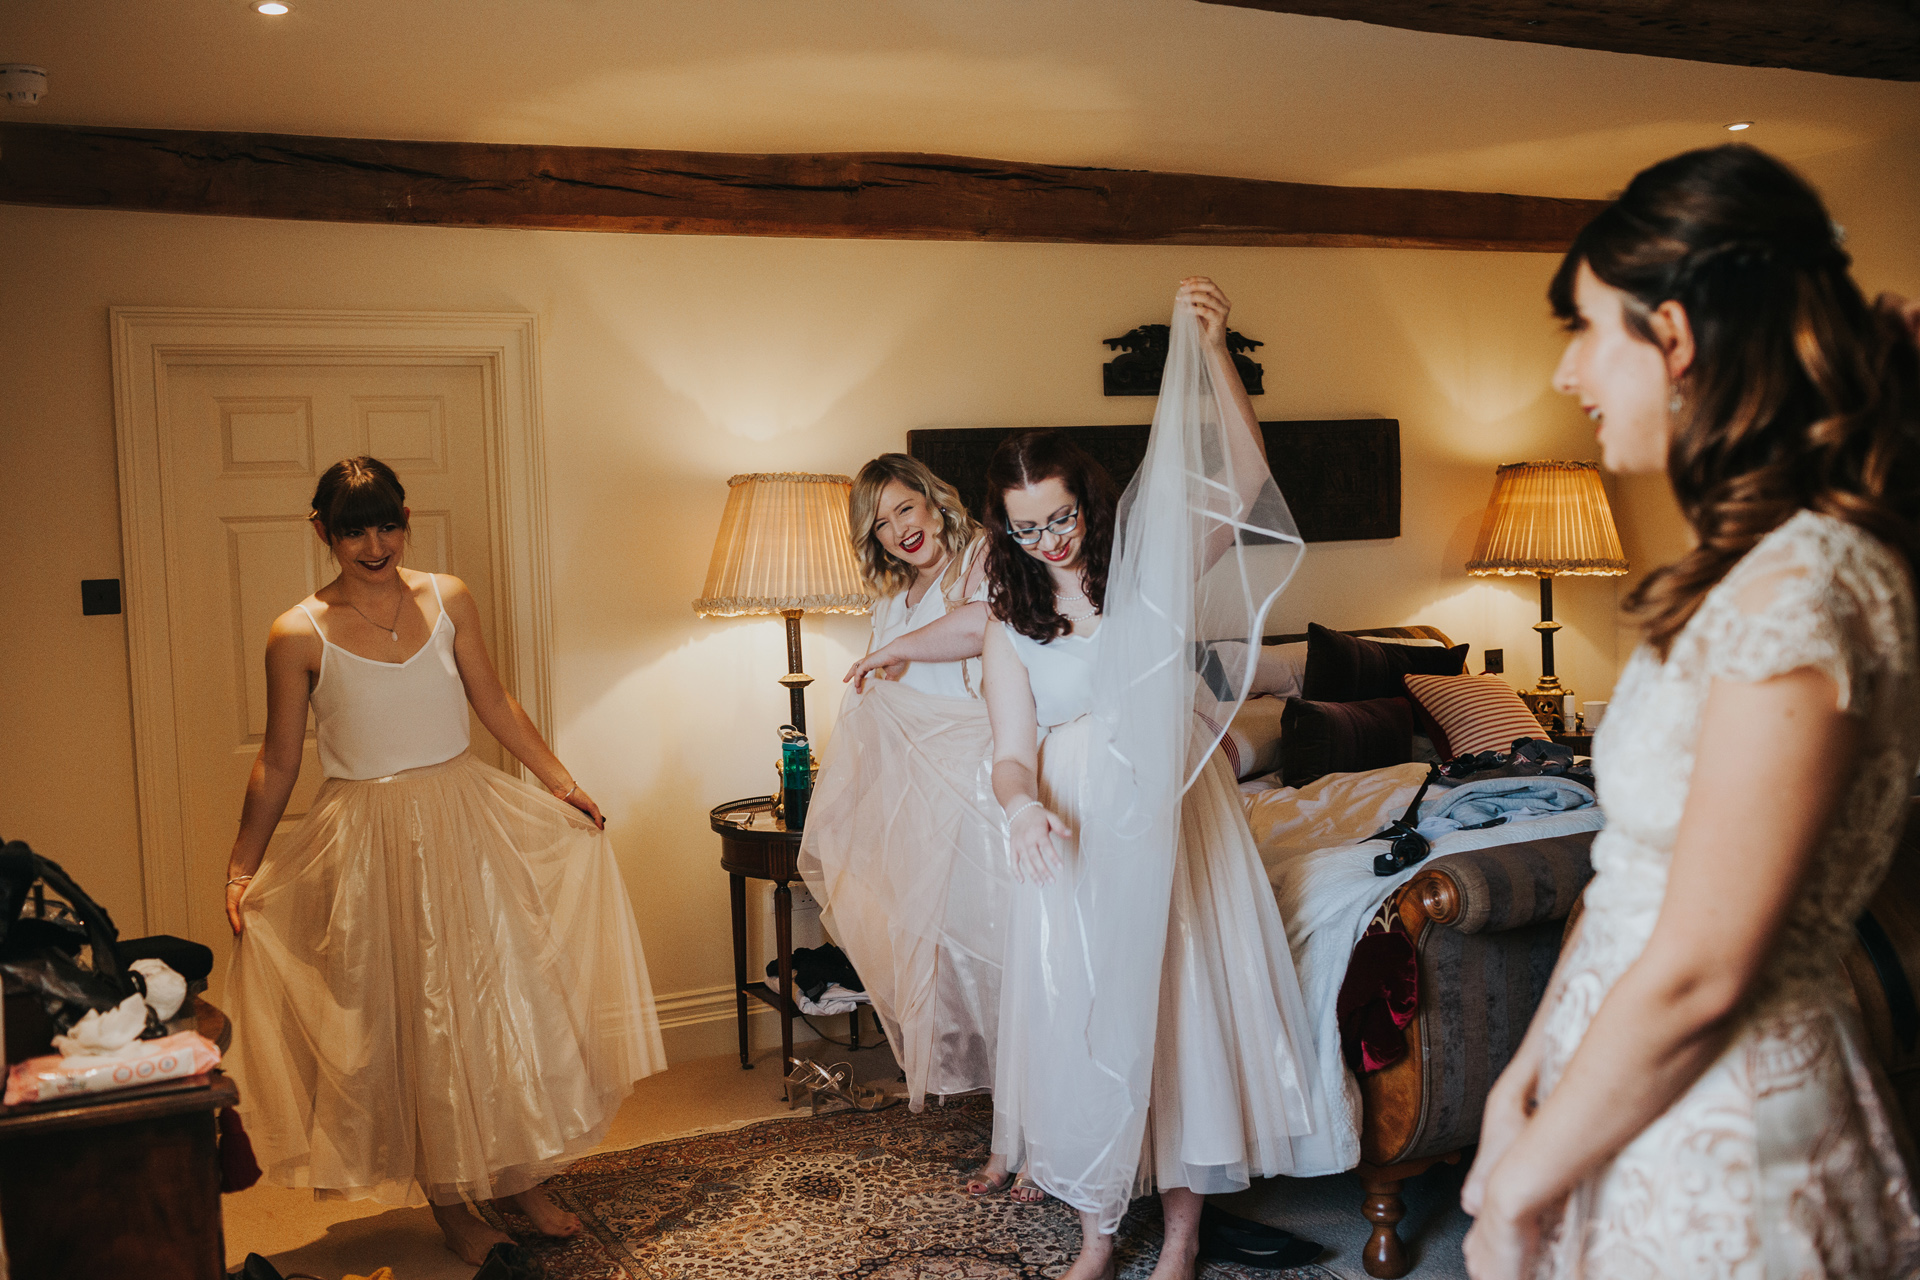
(670, 363)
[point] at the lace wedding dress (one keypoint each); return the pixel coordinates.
(1784, 1159)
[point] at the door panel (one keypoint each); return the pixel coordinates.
(245, 445)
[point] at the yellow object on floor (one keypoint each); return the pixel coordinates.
(384, 1273)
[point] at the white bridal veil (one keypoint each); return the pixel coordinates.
(1203, 546)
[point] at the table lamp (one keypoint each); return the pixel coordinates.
(1548, 519)
(783, 548)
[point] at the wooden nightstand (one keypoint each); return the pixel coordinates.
(1581, 744)
(757, 844)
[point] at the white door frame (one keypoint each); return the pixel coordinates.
(147, 342)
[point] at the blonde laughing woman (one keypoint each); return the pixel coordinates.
(903, 845)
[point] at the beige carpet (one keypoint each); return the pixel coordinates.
(331, 1239)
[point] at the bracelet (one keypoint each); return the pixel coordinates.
(562, 795)
(1031, 804)
(238, 880)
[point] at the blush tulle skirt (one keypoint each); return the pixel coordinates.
(905, 852)
(439, 992)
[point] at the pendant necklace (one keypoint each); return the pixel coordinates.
(391, 628)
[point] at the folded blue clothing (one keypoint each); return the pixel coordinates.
(1487, 801)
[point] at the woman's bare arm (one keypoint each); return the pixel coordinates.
(1248, 448)
(949, 639)
(499, 710)
(1008, 692)
(293, 655)
(1772, 761)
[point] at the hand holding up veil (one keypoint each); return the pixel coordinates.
(1203, 545)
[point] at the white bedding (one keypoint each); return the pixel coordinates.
(1309, 841)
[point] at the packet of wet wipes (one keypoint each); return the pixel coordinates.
(187, 1053)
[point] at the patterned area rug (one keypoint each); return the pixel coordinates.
(847, 1196)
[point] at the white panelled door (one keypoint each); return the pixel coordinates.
(244, 445)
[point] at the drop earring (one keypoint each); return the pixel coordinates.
(1674, 402)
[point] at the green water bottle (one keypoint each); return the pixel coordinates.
(796, 776)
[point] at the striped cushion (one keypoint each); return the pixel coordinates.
(1468, 714)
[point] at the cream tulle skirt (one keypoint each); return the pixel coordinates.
(905, 853)
(439, 992)
(1233, 1079)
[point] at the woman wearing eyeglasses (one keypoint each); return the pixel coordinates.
(1146, 961)
(903, 845)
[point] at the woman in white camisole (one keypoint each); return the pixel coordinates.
(902, 835)
(438, 990)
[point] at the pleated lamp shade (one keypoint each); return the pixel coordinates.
(783, 548)
(1548, 518)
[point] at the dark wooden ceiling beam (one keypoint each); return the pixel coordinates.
(1874, 39)
(833, 196)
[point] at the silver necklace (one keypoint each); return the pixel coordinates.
(391, 628)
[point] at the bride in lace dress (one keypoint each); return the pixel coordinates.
(1694, 1097)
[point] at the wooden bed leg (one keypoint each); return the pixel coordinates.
(1384, 1256)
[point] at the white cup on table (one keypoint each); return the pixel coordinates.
(1595, 711)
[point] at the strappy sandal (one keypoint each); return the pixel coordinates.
(836, 1084)
(1022, 1183)
(987, 1186)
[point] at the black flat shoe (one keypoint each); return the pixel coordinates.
(510, 1262)
(1255, 1245)
(1212, 1214)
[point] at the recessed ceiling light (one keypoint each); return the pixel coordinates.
(1735, 127)
(272, 8)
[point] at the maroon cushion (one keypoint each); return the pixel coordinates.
(1343, 737)
(1344, 668)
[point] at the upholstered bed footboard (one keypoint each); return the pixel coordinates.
(1486, 926)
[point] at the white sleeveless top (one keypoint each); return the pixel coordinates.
(1061, 673)
(377, 718)
(893, 619)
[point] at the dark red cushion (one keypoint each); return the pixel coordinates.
(1344, 668)
(1343, 737)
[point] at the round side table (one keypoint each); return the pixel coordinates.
(755, 843)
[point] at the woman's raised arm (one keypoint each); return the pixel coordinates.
(1243, 440)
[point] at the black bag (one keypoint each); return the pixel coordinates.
(40, 941)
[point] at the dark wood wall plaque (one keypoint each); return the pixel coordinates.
(1341, 477)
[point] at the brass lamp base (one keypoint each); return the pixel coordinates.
(1545, 705)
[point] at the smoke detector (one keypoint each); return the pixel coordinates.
(21, 85)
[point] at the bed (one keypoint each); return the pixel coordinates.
(1482, 916)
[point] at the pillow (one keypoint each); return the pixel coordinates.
(1280, 669)
(1467, 714)
(1343, 668)
(1252, 741)
(1343, 737)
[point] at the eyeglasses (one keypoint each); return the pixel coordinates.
(1059, 527)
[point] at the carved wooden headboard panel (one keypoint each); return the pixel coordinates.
(1341, 478)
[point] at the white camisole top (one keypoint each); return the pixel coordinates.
(377, 718)
(1061, 673)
